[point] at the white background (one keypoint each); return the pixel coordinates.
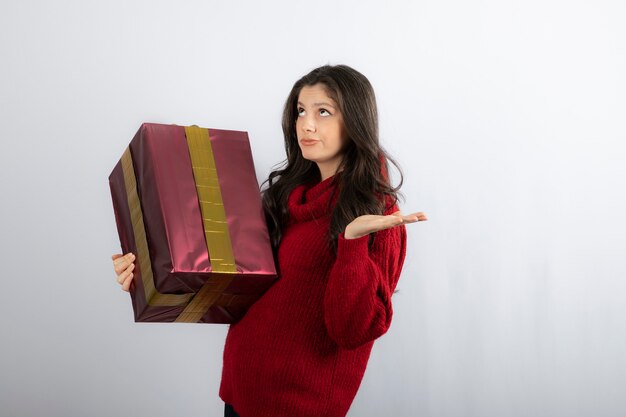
(508, 118)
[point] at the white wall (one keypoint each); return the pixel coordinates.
(508, 118)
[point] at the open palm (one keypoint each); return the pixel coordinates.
(370, 223)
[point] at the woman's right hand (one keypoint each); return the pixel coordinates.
(124, 265)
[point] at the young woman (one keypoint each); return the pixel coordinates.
(302, 348)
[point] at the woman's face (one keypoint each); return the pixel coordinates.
(320, 129)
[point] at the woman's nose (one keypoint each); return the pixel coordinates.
(308, 125)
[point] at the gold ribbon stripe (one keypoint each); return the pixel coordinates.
(153, 297)
(214, 221)
(210, 198)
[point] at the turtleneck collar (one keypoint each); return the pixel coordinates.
(310, 201)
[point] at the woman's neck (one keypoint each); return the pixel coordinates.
(328, 169)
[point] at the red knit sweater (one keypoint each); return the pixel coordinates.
(301, 350)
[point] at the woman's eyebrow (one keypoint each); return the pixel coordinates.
(318, 104)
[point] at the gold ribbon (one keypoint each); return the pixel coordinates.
(210, 198)
(153, 297)
(214, 221)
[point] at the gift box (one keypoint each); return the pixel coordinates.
(187, 204)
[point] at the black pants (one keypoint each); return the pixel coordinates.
(229, 411)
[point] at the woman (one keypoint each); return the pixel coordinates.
(302, 348)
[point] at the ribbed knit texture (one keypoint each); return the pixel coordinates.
(301, 350)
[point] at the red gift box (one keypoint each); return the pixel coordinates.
(187, 204)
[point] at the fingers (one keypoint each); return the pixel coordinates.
(121, 263)
(125, 274)
(124, 266)
(421, 216)
(411, 218)
(127, 282)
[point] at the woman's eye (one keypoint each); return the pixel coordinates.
(324, 112)
(300, 111)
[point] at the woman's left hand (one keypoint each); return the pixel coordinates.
(370, 223)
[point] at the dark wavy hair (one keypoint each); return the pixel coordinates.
(363, 185)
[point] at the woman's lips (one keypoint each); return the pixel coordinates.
(309, 142)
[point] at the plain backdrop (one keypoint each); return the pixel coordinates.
(508, 118)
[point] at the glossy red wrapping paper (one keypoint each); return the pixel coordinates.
(178, 255)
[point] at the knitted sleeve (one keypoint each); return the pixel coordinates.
(357, 302)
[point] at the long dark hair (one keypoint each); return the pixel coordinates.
(363, 185)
